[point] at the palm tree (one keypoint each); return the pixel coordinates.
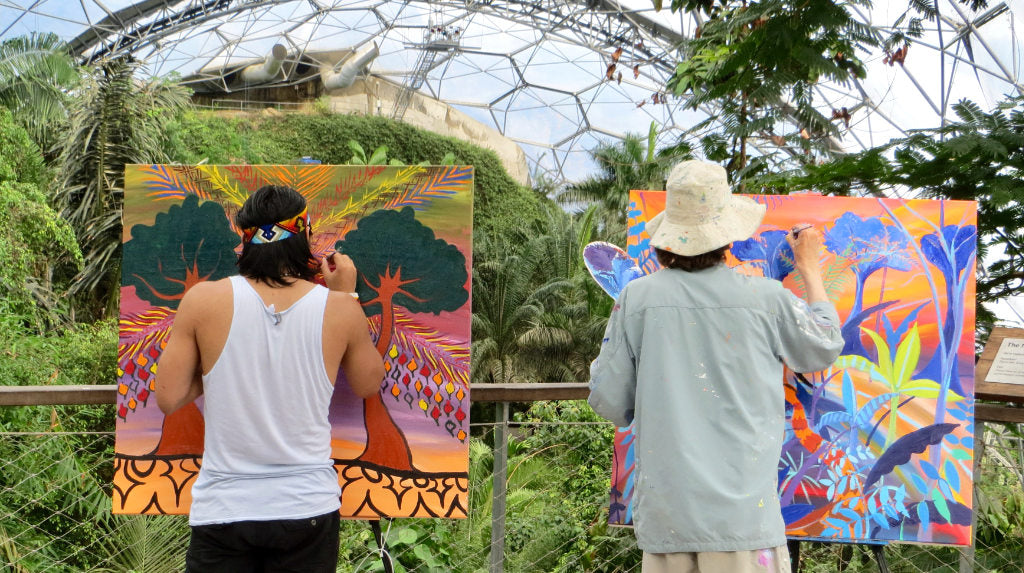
(633, 163)
(115, 119)
(36, 73)
(537, 315)
(561, 341)
(503, 305)
(152, 543)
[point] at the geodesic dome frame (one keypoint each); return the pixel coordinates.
(556, 76)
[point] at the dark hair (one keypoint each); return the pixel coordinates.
(272, 262)
(694, 263)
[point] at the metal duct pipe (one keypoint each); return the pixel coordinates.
(268, 70)
(349, 69)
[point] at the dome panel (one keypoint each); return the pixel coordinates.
(560, 57)
(481, 78)
(541, 115)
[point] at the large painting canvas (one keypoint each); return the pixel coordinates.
(401, 453)
(880, 446)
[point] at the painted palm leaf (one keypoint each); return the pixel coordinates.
(224, 184)
(308, 180)
(142, 339)
(166, 184)
(429, 347)
(374, 198)
(433, 185)
(247, 175)
(427, 374)
(356, 181)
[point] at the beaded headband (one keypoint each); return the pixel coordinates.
(276, 231)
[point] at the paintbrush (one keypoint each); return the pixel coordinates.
(797, 229)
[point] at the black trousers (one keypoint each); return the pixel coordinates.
(286, 545)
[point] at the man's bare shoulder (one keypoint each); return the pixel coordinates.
(344, 303)
(206, 295)
(344, 311)
(205, 289)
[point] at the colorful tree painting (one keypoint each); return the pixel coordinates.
(185, 245)
(409, 230)
(869, 246)
(401, 264)
(880, 446)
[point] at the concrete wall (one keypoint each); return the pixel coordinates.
(374, 96)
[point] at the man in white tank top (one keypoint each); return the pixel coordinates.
(264, 348)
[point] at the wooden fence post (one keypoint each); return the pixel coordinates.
(498, 485)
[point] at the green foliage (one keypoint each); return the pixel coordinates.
(144, 543)
(416, 545)
(503, 306)
(1000, 507)
(37, 247)
(114, 120)
(537, 314)
(54, 496)
(33, 240)
(570, 437)
(79, 354)
(917, 12)
(562, 340)
(633, 163)
(500, 204)
(750, 58)
(20, 158)
(35, 73)
(378, 157)
(52, 500)
(978, 157)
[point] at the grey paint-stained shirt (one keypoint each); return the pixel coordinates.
(696, 360)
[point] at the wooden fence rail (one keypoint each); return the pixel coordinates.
(107, 393)
(1011, 410)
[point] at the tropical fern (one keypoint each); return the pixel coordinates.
(36, 74)
(155, 544)
(114, 120)
(757, 62)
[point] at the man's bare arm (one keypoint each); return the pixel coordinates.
(363, 365)
(179, 374)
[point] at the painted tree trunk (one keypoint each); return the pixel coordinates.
(385, 443)
(183, 433)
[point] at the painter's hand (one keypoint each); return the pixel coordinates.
(805, 241)
(343, 277)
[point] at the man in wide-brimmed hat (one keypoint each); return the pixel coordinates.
(694, 355)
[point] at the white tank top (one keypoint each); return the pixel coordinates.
(268, 440)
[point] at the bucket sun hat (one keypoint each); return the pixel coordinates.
(701, 213)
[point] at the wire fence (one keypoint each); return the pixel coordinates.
(548, 511)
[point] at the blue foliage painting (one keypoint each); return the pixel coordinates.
(879, 447)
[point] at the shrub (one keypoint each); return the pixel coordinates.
(501, 204)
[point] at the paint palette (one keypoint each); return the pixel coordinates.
(610, 266)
